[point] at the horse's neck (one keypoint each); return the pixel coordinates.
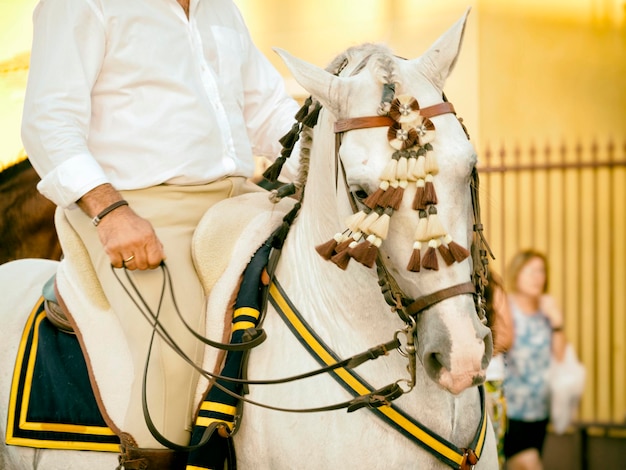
(346, 308)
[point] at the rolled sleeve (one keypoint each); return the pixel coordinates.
(70, 180)
(68, 46)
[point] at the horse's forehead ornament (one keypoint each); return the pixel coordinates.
(413, 162)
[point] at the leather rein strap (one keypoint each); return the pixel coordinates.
(395, 297)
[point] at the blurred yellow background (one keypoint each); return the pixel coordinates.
(533, 74)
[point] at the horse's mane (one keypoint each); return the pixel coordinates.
(382, 66)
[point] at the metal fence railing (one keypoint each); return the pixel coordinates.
(569, 201)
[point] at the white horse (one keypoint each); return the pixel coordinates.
(345, 308)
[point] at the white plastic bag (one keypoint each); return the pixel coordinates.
(567, 382)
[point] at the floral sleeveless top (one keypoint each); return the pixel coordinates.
(526, 382)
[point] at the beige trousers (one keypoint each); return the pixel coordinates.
(174, 212)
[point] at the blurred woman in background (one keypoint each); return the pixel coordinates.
(538, 323)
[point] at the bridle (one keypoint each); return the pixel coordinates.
(407, 307)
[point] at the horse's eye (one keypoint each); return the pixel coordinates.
(360, 194)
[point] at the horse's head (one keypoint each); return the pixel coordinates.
(408, 167)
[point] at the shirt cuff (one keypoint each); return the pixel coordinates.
(69, 181)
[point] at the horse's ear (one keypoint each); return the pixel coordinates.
(321, 84)
(439, 60)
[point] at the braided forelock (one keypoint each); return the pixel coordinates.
(383, 67)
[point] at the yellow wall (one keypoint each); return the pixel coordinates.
(15, 40)
(318, 31)
(552, 70)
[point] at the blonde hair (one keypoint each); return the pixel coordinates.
(518, 262)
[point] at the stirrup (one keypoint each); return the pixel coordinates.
(134, 458)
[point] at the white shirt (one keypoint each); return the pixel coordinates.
(132, 93)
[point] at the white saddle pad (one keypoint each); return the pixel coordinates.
(223, 244)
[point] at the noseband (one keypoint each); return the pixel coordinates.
(407, 307)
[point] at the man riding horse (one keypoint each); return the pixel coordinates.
(138, 118)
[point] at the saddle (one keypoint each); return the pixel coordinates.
(222, 247)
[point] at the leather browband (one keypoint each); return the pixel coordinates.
(343, 125)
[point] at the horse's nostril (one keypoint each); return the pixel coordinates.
(433, 363)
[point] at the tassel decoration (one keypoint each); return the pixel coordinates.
(435, 228)
(430, 164)
(419, 196)
(430, 257)
(380, 227)
(371, 201)
(365, 252)
(291, 137)
(404, 108)
(411, 161)
(402, 170)
(389, 173)
(388, 195)
(368, 221)
(311, 119)
(327, 250)
(419, 170)
(401, 137)
(415, 260)
(429, 196)
(444, 251)
(353, 221)
(273, 171)
(398, 194)
(421, 233)
(425, 132)
(458, 252)
(304, 110)
(342, 259)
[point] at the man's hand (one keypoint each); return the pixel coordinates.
(128, 239)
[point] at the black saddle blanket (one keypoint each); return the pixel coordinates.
(52, 404)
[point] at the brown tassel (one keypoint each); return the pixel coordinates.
(371, 201)
(396, 200)
(386, 197)
(430, 258)
(342, 258)
(445, 254)
(419, 196)
(344, 245)
(429, 196)
(365, 253)
(415, 261)
(327, 250)
(458, 252)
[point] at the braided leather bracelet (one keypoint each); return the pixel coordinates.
(96, 220)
